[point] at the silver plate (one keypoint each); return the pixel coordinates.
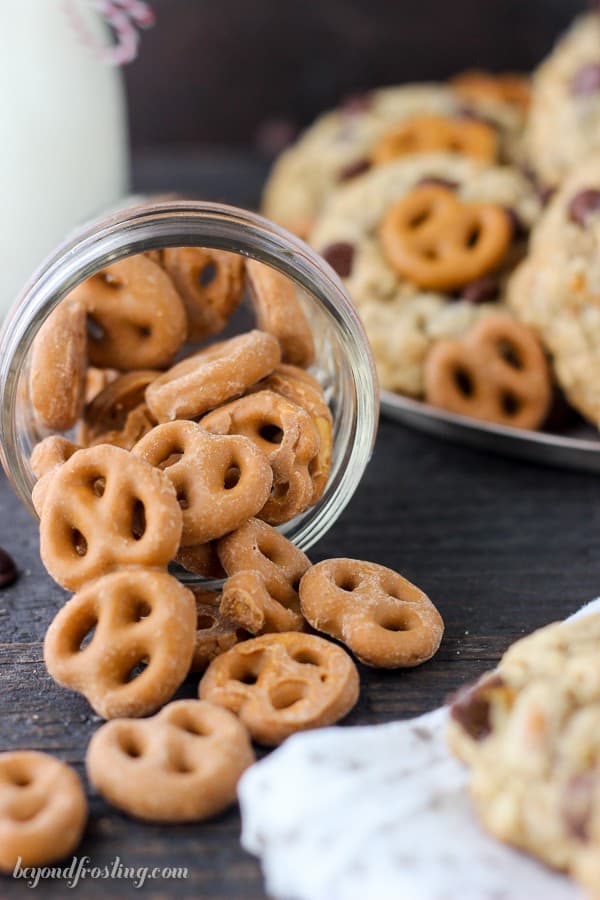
(576, 448)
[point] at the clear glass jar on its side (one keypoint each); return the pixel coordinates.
(343, 364)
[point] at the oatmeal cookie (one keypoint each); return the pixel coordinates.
(564, 122)
(401, 319)
(530, 733)
(401, 335)
(556, 290)
(338, 146)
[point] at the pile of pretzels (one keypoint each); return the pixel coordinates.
(192, 459)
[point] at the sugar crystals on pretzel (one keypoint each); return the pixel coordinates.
(385, 620)
(220, 480)
(279, 311)
(136, 319)
(105, 508)
(210, 283)
(279, 684)
(286, 434)
(142, 624)
(213, 376)
(182, 765)
(43, 809)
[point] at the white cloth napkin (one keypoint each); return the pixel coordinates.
(380, 813)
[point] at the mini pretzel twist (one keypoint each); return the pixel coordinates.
(385, 620)
(210, 283)
(182, 765)
(96, 380)
(215, 633)
(201, 559)
(212, 376)
(279, 311)
(220, 480)
(51, 453)
(437, 134)
(279, 684)
(46, 458)
(118, 415)
(497, 373)
(305, 391)
(438, 242)
(43, 809)
(265, 569)
(287, 435)
(141, 617)
(58, 367)
(247, 601)
(136, 319)
(105, 508)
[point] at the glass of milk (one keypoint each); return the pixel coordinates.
(64, 147)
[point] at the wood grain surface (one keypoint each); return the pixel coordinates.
(500, 546)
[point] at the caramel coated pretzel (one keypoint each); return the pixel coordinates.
(118, 415)
(96, 380)
(201, 559)
(279, 684)
(46, 458)
(305, 391)
(286, 434)
(438, 242)
(507, 87)
(247, 601)
(220, 480)
(384, 619)
(265, 569)
(143, 623)
(279, 311)
(43, 809)
(210, 283)
(215, 633)
(213, 376)
(182, 765)
(136, 319)
(497, 373)
(437, 134)
(106, 508)
(51, 453)
(58, 367)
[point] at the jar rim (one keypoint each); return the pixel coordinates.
(175, 223)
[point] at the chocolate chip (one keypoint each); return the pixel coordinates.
(482, 290)
(340, 257)
(561, 415)
(465, 112)
(576, 804)
(356, 104)
(471, 708)
(516, 223)
(546, 192)
(586, 80)
(354, 169)
(583, 205)
(8, 570)
(434, 181)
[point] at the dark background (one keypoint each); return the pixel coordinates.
(248, 72)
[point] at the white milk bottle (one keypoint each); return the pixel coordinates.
(63, 146)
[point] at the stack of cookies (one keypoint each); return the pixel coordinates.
(436, 205)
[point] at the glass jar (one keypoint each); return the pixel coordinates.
(343, 364)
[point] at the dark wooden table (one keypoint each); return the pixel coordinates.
(501, 546)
